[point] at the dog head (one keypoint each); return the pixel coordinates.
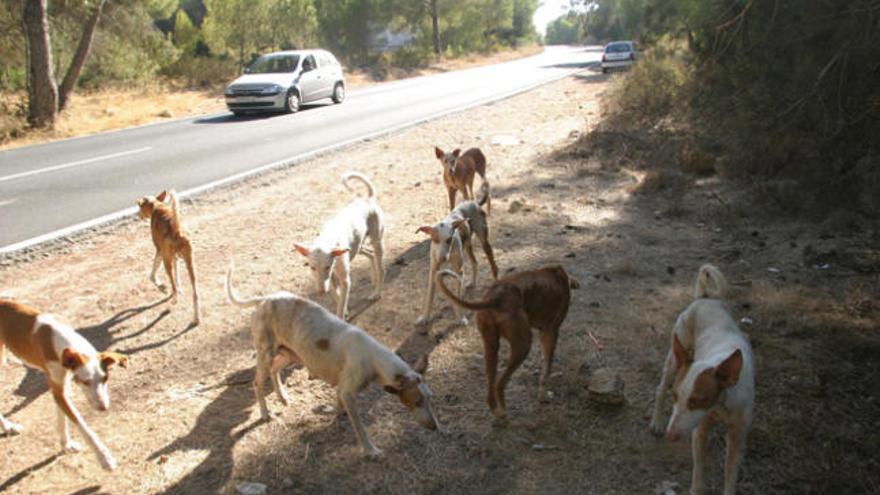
(320, 261)
(698, 387)
(92, 372)
(448, 160)
(147, 204)
(444, 238)
(416, 396)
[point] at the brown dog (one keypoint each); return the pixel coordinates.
(458, 173)
(171, 240)
(511, 307)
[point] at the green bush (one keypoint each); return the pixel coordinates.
(411, 57)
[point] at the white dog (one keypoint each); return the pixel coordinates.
(450, 239)
(288, 329)
(712, 365)
(345, 234)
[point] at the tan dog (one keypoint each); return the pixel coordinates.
(171, 240)
(61, 353)
(458, 173)
(712, 365)
(288, 329)
(511, 307)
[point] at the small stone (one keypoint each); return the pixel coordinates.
(571, 255)
(323, 409)
(287, 482)
(606, 386)
(515, 206)
(251, 488)
(166, 114)
(666, 488)
(417, 184)
(670, 270)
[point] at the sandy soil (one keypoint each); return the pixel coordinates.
(184, 418)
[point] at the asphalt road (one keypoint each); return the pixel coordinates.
(58, 188)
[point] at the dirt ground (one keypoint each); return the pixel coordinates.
(184, 418)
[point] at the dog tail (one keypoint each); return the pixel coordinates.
(233, 295)
(346, 177)
(710, 283)
(475, 305)
(174, 207)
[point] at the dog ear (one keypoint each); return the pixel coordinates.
(456, 152)
(161, 196)
(338, 252)
(431, 231)
(108, 359)
(727, 373)
(141, 202)
(71, 359)
(678, 350)
(438, 153)
(301, 249)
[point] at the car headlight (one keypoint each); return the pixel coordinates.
(270, 90)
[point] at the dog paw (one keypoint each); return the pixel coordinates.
(463, 321)
(11, 429)
(162, 288)
(657, 429)
(284, 398)
(72, 447)
(107, 462)
(372, 453)
(500, 421)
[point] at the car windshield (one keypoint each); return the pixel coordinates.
(274, 64)
(617, 48)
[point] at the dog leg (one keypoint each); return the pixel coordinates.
(548, 346)
(520, 344)
(68, 446)
(8, 427)
(483, 236)
(101, 451)
(736, 445)
(343, 272)
(378, 268)
(657, 427)
(699, 442)
(491, 342)
(451, 191)
(469, 249)
(191, 269)
(429, 297)
(350, 403)
(157, 260)
(282, 360)
(264, 366)
(458, 266)
(169, 262)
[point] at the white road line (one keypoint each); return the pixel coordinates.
(73, 164)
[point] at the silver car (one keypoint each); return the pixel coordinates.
(618, 55)
(282, 81)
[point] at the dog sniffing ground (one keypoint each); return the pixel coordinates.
(184, 417)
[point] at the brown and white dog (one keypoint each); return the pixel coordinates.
(288, 329)
(711, 369)
(171, 240)
(458, 173)
(62, 354)
(510, 308)
(450, 239)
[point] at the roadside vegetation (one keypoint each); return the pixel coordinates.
(780, 94)
(107, 45)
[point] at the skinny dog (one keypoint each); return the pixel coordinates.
(288, 329)
(510, 308)
(449, 238)
(171, 240)
(61, 353)
(711, 363)
(458, 173)
(346, 233)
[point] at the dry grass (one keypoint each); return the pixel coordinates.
(184, 418)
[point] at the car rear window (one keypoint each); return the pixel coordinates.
(617, 48)
(274, 64)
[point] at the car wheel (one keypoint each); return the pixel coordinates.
(237, 114)
(604, 70)
(338, 93)
(292, 104)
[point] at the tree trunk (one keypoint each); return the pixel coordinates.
(42, 90)
(435, 27)
(79, 58)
